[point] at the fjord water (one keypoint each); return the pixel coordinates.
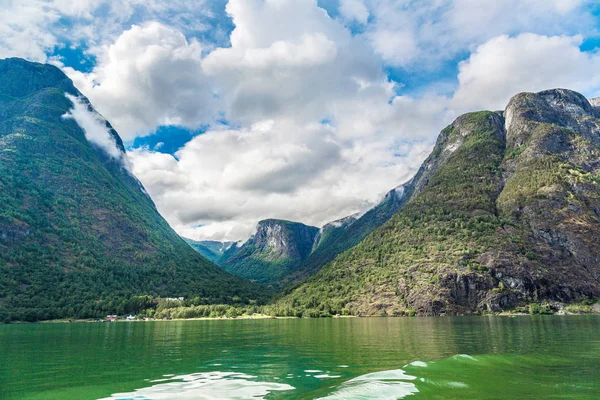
(358, 358)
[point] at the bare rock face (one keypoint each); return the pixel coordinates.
(595, 102)
(551, 191)
(284, 239)
(273, 252)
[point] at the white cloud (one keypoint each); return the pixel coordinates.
(397, 47)
(504, 65)
(24, 33)
(94, 126)
(311, 50)
(354, 10)
(150, 76)
(228, 180)
(289, 59)
(33, 28)
(423, 34)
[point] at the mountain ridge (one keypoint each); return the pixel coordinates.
(504, 203)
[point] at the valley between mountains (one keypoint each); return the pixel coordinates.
(504, 215)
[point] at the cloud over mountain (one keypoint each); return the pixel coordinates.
(312, 110)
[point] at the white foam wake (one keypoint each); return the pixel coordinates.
(385, 385)
(205, 386)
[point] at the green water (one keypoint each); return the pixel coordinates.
(363, 358)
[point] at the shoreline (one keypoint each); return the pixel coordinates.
(266, 317)
(241, 317)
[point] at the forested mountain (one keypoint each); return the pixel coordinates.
(273, 265)
(78, 234)
(504, 212)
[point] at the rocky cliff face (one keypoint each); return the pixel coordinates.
(551, 192)
(504, 212)
(273, 252)
(284, 239)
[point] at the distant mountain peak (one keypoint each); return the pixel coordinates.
(341, 222)
(275, 249)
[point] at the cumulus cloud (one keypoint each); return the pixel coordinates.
(397, 47)
(150, 76)
(222, 182)
(34, 28)
(25, 33)
(94, 126)
(499, 68)
(423, 34)
(289, 59)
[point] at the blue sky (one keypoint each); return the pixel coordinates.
(239, 110)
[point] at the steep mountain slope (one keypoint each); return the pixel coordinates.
(339, 236)
(504, 212)
(273, 252)
(78, 234)
(211, 250)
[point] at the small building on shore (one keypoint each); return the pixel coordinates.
(111, 318)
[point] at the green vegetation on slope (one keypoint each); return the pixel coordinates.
(508, 218)
(339, 239)
(78, 235)
(435, 231)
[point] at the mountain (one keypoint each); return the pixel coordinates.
(338, 236)
(78, 233)
(210, 249)
(277, 247)
(262, 264)
(505, 212)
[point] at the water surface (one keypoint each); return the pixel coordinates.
(358, 358)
